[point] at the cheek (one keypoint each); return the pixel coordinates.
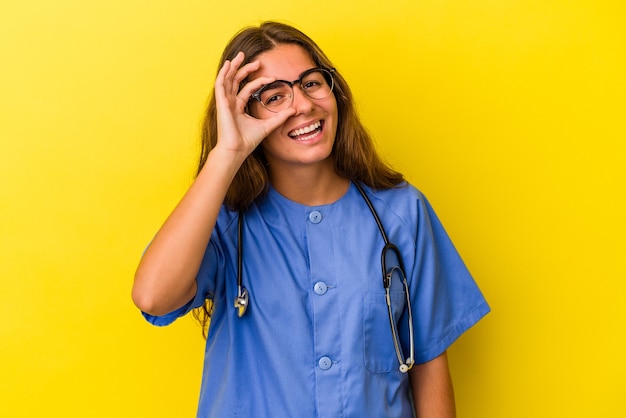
(332, 111)
(270, 142)
(334, 116)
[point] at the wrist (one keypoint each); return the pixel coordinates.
(224, 161)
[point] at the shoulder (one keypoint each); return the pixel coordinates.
(400, 207)
(404, 190)
(405, 199)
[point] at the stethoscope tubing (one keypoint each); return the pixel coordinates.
(242, 299)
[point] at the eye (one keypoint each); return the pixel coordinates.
(311, 84)
(273, 99)
(275, 94)
(313, 81)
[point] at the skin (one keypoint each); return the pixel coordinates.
(431, 385)
(165, 277)
(302, 171)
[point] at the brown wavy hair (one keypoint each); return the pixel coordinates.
(355, 154)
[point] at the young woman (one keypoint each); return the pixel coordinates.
(331, 286)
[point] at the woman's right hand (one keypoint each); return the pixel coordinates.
(237, 131)
(166, 276)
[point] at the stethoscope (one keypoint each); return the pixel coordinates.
(242, 300)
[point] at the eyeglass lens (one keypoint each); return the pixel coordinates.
(277, 96)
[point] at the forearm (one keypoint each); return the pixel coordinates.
(431, 384)
(165, 278)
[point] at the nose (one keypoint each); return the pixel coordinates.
(301, 102)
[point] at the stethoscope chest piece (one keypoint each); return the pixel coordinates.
(241, 302)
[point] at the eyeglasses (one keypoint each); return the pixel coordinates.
(316, 83)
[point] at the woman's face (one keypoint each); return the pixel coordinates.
(308, 136)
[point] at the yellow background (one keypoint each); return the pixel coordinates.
(508, 114)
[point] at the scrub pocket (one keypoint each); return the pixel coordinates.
(379, 352)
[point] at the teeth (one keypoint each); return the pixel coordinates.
(305, 130)
(305, 138)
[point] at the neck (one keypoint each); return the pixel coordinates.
(311, 186)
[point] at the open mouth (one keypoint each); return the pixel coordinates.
(308, 132)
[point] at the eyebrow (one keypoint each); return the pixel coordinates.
(273, 85)
(299, 76)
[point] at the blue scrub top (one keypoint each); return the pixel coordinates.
(315, 340)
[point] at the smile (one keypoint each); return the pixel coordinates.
(308, 132)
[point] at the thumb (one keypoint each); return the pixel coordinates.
(278, 119)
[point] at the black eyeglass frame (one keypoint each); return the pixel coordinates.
(325, 71)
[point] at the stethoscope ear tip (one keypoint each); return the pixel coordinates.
(405, 367)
